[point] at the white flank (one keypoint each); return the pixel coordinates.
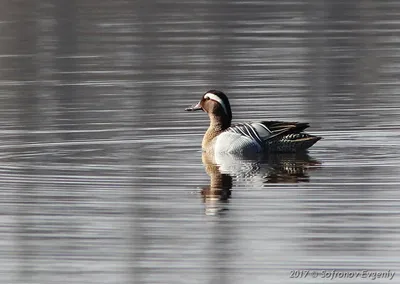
(214, 97)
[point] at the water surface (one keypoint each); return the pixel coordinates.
(102, 178)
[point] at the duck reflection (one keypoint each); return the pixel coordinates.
(288, 168)
(271, 168)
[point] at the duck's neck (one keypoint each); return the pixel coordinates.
(217, 125)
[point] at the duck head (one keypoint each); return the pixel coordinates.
(216, 104)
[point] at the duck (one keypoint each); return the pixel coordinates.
(250, 137)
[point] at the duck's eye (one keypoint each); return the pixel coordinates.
(207, 98)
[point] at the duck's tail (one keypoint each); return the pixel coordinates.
(294, 142)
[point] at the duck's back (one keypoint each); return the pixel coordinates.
(256, 137)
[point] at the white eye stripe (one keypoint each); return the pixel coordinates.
(214, 97)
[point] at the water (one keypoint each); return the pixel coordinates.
(102, 177)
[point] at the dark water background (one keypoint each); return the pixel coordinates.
(101, 171)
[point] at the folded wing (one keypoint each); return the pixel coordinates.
(267, 130)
